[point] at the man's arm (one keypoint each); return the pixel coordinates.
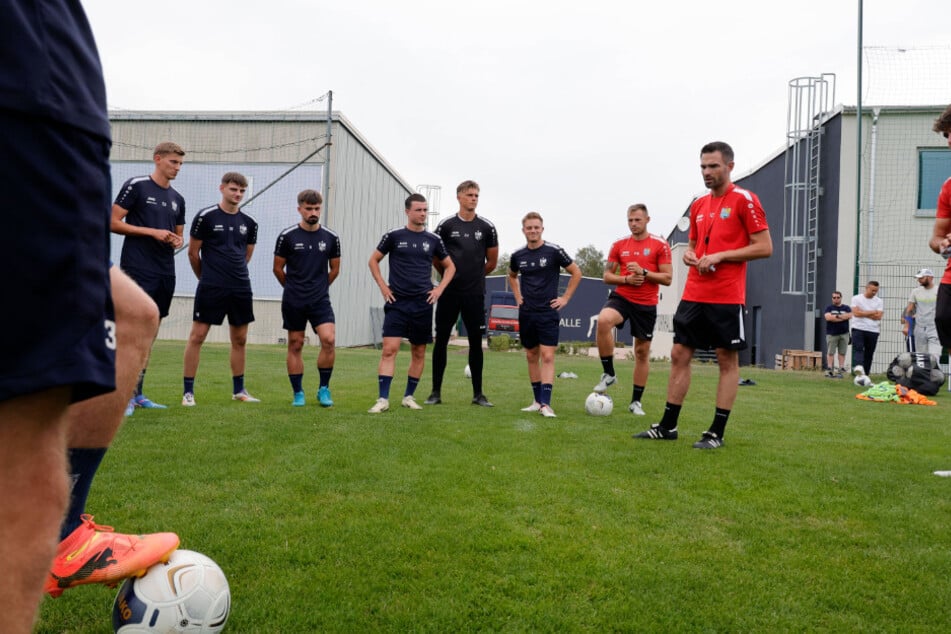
(334, 270)
(248, 253)
(117, 224)
(278, 269)
(940, 235)
(575, 273)
(194, 256)
(448, 271)
(513, 284)
(491, 259)
(374, 263)
(760, 246)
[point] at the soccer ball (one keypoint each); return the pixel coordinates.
(188, 594)
(598, 404)
(862, 380)
(904, 360)
(467, 372)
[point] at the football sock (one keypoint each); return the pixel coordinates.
(138, 386)
(545, 393)
(189, 385)
(671, 414)
(325, 375)
(411, 383)
(297, 382)
(607, 365)
(537, 391)
(637, 393)
(475, 361)
(238, 383)
(83, 464)
(384, 383)
(719, 422)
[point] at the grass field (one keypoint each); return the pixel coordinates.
(821, 513)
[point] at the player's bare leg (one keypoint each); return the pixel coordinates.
(33, 475)
(327, 335)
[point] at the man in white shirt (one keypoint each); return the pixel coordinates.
(867, 311)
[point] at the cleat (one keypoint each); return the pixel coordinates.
(534, 407)
(299, 400)
(547, 411)
(858, 370)
(323, 397)
(410, 402)
(381, 405)
(606, 381)
(635, 408)
(244, 397)
(97, 554)
(656, 432)
(433, 399)
(481, 401)
(188, 400)
(145, 402)
(130, 408)
(708, 440)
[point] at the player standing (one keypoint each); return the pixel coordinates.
(306, 263)
(222, 242)
(637, 265)
(940, 241)
(534, 273)
(473, 245)
(409, 297)
(151, 215)
(727, 229)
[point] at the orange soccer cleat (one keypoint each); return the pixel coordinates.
(97, 554)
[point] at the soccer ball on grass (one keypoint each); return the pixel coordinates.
(598, 404)
(187, 594)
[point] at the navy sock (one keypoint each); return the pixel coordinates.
(238, 382)
(138, 386)
(297, 382)
(411, 383)
(384, 383)
(189, 385)
(83, 464)
(537, 391)
(545, 393)
(325, 376)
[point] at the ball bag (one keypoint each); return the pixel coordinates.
(923, 374)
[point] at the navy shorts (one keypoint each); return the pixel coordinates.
(409, 318)
(214, 303)
(160, 288)
(58, 328)
(708, 326)
(538, 328)
(297, 316)
(642, 318)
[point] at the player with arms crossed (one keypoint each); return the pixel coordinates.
(409, 297)
(534, 273)
(637, 265)
(306, 263)
(727, 229)
(473, 246)
(222, 242)
(151, 215)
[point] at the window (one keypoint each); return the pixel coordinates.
(934, 167)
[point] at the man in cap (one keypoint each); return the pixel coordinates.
(921, 311)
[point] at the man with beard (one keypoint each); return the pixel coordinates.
(920, 311)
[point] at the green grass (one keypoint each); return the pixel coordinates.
(821, 513)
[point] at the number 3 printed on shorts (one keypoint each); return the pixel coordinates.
(110, 334)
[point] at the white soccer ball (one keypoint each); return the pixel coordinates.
(862, 380)
(904, 360)
(598, 404)
(188, 594)
(467, 372)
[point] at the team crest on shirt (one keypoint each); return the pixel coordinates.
(321, 246)
(543, 262)
(725, 212)
(426, 247)
(174, 206)
(647, 251)
(243, 229)
(478, 235)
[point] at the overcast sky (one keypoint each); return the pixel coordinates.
(572, 109)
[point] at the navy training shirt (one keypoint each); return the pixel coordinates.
(156, 207)
(307, 269)
(411, 260)
(225, 238)
(540, 271)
